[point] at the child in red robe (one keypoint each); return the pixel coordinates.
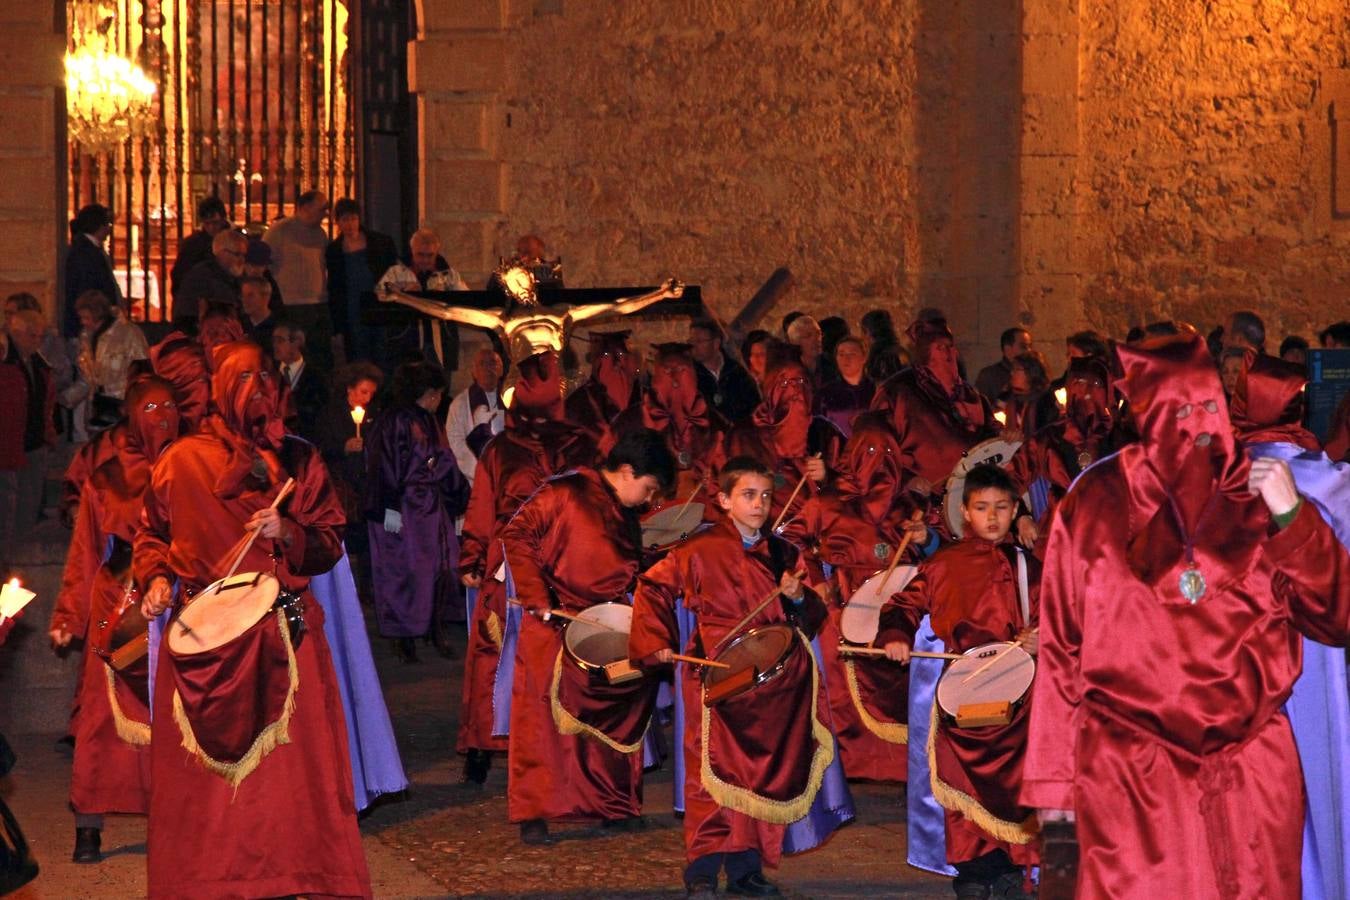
(756, 762)
(977, 591)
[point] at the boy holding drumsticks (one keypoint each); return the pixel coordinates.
(753, 762)
(978, 591)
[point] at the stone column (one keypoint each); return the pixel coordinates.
(32, 134)
(1050, 273)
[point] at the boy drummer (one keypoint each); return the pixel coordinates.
(977, 591)
(755, 762)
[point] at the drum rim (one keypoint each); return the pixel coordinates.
(766, 675)
(937, 700)
(844, 607)
(198, 597)
(586, 665)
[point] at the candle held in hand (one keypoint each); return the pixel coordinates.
(13, 597)
(358, 416)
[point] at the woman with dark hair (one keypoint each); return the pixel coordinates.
(354, 260)
(842, 399)
(414, 490)
(885, 356)
(342, 444)
(755, 353)
(1027, 381)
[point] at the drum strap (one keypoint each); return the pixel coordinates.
(1023, 591)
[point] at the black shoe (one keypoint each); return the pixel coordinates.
(627, 823)
(440, 639)
(970, 890)
(476, 766)
(534, 832)
(405, 649)
(753, 885)
(87, 843)
(1009, 887)
(701, 888)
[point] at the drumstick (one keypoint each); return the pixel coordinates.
(788, 505)
(698, 660)
(686, 503)
(993, 659)
(754, 612)
(877, 651)
(899, 551)
(248, 545)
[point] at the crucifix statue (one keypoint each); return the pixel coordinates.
(524, 325)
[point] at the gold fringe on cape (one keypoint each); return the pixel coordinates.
(891, 732)
(129, 730)
(959, 801)
(570, 724)
(493, 624)
(271, 737)
(757, 806)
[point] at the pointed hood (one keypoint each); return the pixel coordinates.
(1267, 405)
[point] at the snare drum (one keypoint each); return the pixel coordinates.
(668, 527)
(860, 618)
(1005, 682)
(228, 608)
(598, 636)
(994, 450)
(756, 657)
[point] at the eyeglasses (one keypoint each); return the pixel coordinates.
(1209, 406)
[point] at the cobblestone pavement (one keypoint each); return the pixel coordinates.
(447, 839)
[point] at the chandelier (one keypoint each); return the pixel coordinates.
(108, 97)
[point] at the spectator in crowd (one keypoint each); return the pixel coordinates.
(1087, 344)
(851, 393)
(424, 270)
(1294, 349)
(354, 260)
(833, 329)
(258, 263)
(109, 344)
(414, 491)
(88, 266)
(255, 298)
(885, 356)
(306, 387)
(71, 389)
(214, 280)
(1334, 336)
(788, 320)
(298, 244)
(722, 381)
(343, 451)
(477, 412)
(1245, 331)
(1027, 383)
(196, 247)
(220, 325)
(804, 333)
(993, 379)
(755, 352)
(1231, 364)
(28, 434)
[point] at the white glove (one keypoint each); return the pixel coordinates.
(393, 521)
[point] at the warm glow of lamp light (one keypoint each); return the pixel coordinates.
(1001, 417)
(13, 597)
(358, 416)
(507, 396)
(108, 98)
(1061, 397)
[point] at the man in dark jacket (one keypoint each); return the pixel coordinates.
(88, 266)
(196, 247)
(215, 280)
(722, 381)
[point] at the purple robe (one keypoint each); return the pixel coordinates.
(1319, 709)
(413, 472)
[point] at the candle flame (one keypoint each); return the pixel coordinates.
(507, 395)
(358, 414)
(1001, 417)
(1061, 396)
(14, 582)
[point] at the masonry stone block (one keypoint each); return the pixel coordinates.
(459, 62)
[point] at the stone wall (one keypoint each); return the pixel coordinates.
(1206, 160)
(870, 147)
(31, 109)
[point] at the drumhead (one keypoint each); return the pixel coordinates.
(994, 450)
(764, 649)
(858, 621)
(599, 635)
(671, 524)
(1008, 679)
(222, 612)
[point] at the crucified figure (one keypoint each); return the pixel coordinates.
(525, 326)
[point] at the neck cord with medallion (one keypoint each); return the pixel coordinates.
(1192, 580)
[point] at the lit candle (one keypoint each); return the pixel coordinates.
(1061, 397)
(13, 597)
(358, 416)
(1001, 417)
(508, 395)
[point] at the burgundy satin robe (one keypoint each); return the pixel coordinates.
(290, 827)
(98, 450)
(512, 467)
(1159, 722)
(570, 547)
(931, 434)
(969, 591)
(108, 774)
(761, 740)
